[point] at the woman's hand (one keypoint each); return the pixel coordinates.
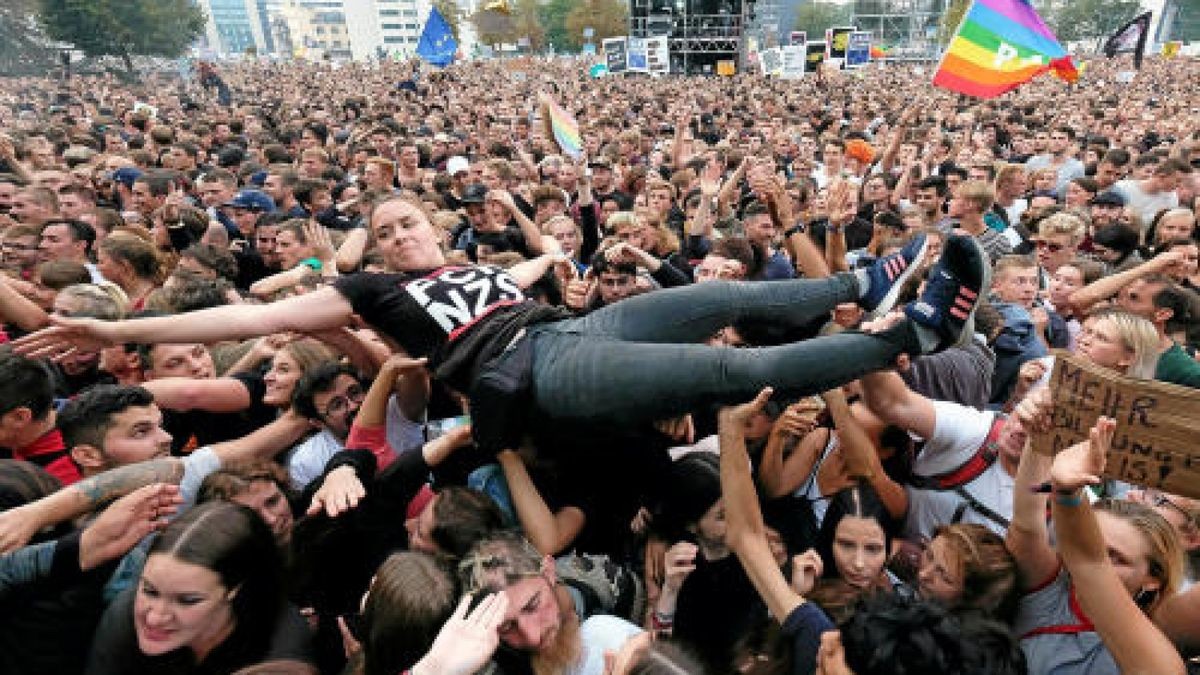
(680, 562)
(798, 419)
(466, 642)
(1081, 464)
(1036, 410)
(806, 569)
(340, 492)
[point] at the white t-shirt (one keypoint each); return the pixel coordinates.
(599, 634)
(958, 433)
(1145, 205)
(307, 460)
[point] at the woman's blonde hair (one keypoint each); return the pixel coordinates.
(1064, 222)
(1165, 559)
(1137, 335)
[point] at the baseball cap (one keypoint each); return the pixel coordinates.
(457, 164)
(126, 175)
(474, 194)
(253, 200)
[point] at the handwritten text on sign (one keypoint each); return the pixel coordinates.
(1155, 442)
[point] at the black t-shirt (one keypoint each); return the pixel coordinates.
(456, 316)
(207, 427)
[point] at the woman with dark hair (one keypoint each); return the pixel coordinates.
(210, 600)
(1117, 247)
(855, 540)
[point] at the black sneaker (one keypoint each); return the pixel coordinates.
(889, 274)
(955, 287)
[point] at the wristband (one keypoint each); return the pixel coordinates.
(312, 263)
(1071, 499)
(660, 621)
(798, 228)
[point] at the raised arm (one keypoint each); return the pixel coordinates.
(350, 253)
(745, 531)
(321, 309)
(19, 524)
(20, 310)
(778, 475)
(1027, 537)
(550, 531)
(1134, 641)
(220, 395)
(860, 455)
(1106, 287)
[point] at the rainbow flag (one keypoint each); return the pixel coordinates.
(563, 128)
(878, 52)
(1000, 45)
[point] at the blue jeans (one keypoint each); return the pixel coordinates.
(641, 358)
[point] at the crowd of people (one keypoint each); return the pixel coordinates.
(350, 368)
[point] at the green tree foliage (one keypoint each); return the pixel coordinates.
(23, 46)
(552, 14)
(609, 18)
(950, 19)
(1092, 20)
(450, 11)
(124, 28)
(815, 17)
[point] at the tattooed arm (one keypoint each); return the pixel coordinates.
(18, 525)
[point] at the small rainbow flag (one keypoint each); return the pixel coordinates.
(878, 52)
(562, 127)
(1000, 45)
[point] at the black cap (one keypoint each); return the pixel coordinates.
(1108, 198)
(474, 193)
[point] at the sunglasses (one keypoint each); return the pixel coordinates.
(1048, 245)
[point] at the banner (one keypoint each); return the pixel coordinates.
(814, 56)
(1154, 444)
(615, 54)
(727, 68)
(1171, 49)
(658, 55)
(636, 55)
(858, 51)
(792, 57)
(797, 37)
(771, 61)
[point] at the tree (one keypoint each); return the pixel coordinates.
(608, 18)
(1091, 19)
(521, 21)
(951, 18)
(814, 17)
(451, 13)
(23, 46)
(552, 15)
(124, 28)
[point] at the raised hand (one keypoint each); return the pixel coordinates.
(66, 336)
(466, 641)
(123, 524)
(679, 562)
(1081, 464)
(807, 567)
(737, 416)
(341, 492)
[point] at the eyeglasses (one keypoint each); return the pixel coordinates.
(1048, 245)
(341, 403)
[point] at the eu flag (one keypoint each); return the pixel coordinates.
(437, 45)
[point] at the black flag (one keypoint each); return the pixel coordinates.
(1130, 39)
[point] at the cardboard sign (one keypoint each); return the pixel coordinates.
(771, 61)
(1154, 443)
(615, 54)
(858, 52)
(658, 55)
(793, 62)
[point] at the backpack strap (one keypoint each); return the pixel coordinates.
(971, 469)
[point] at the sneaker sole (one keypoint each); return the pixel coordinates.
(889, 301)
(968, 331)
